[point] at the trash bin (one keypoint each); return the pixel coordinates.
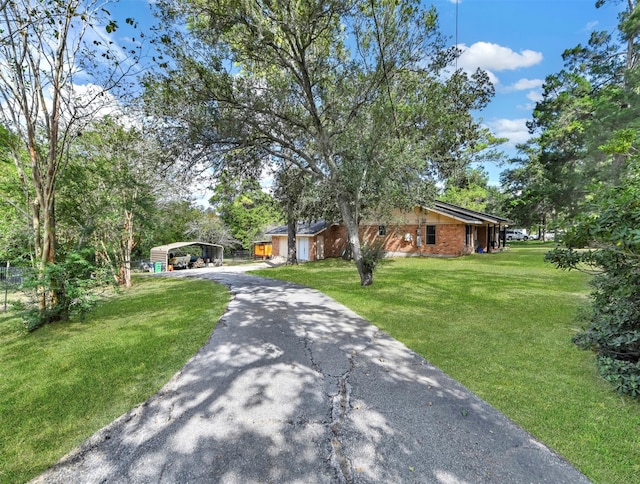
(157, 266)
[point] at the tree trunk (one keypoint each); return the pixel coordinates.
(366, 275)
(44, 245)
(38, 259)
(292, 255)
(127, 248)
(49, 247)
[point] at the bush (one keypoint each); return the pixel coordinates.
(614, 323)
(623, 375)
(73, 281)
(371, 255)
(611, 232)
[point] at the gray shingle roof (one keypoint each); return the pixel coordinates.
(448, 209)
(303, 228)
(471, 216)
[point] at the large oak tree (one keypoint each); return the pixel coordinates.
(360, 96)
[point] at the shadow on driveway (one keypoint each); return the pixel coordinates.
(295, 388)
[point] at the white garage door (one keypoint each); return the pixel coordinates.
(303, 248)
(284, 247)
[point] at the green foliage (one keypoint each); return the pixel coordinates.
(372, 253)
(354, 94)
(170, 222)
(15, 232)
(611, 231)
(528, 193)
(246, 209)
(582, 127)
(54, 41)
(73, 282)
(208, 227)
(591, 127)
(623, 375)
(472, 191)
(106, 197)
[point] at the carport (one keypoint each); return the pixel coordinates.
(210, 253)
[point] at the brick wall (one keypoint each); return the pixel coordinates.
(450, 240)
(335, 240)
(394, 240)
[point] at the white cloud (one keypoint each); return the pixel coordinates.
(591, 25)
(513, 129)
(534, 96)
(489, 56)
(493, 78)
(94, 101)
(526, 107)
(524, 84)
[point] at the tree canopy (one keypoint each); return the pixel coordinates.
(592, 101)
(245, 209)
(590, 128)
(359, 96)
(47, 50)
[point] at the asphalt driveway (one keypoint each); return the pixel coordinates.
(293, 387)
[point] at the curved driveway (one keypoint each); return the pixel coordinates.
(293, 387)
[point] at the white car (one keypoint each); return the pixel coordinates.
(554, 236)
(516, 235)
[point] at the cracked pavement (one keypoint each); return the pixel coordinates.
(293, 387)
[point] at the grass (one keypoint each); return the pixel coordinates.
(501, 324)
(63, 382)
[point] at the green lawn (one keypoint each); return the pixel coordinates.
(63, 382)
(501, 324)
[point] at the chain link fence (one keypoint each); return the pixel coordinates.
(11, 278)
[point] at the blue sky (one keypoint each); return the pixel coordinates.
(518, 42)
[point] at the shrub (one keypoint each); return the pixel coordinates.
(371, 255)
(610, 231)
(73, 281)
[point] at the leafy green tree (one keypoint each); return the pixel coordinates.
(245, 208)
(611, 231)
(608, 224)
(582, 107)
(45, 49)
(170, 222)
(354, 94)
(108, 192)
(209, 228)
(527, 195)
(471, 190)
(15, 231)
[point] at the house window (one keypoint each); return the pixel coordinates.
(431, 235)
(382, 230)
(468, 235)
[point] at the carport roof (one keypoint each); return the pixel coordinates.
(177, 245)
